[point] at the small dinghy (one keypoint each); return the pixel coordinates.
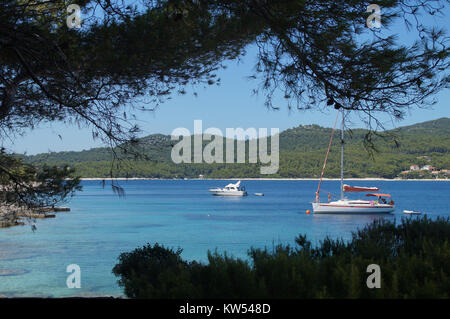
(259, 194)
(411, 212)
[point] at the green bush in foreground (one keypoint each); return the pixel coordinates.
(414, 257)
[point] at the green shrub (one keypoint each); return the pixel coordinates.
(414, 257)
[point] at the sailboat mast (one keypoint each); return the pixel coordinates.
(342, 155)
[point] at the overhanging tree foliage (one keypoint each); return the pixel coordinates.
(322, 51)
(132, 56)
(121, 55)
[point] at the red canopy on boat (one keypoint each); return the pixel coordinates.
(379, 195)
(348, 188)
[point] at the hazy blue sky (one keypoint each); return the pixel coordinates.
(229, 105)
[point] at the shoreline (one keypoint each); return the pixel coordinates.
(262, 179)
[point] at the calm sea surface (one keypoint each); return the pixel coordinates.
(183, 214)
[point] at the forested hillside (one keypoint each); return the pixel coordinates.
(302, 151)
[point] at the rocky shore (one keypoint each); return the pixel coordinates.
(11, 215)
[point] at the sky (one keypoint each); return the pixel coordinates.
(230, 105)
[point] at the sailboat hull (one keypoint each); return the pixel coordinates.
(352, 207)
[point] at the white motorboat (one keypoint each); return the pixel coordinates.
(349, 206)
(229, 190)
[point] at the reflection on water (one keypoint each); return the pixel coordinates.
(12, 272)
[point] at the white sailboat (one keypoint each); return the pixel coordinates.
(349, 206)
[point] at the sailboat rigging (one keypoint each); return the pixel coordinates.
(344, 205)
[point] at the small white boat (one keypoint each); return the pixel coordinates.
(411, 212)
(229, 190)
(259, 194)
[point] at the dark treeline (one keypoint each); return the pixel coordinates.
(302, 151)
(413, 256)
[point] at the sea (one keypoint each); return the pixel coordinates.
(180, 214)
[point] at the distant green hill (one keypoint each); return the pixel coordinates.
(302, 151)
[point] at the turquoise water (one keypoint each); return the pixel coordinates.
(183, 214)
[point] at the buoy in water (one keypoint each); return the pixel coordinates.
(308, 212)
